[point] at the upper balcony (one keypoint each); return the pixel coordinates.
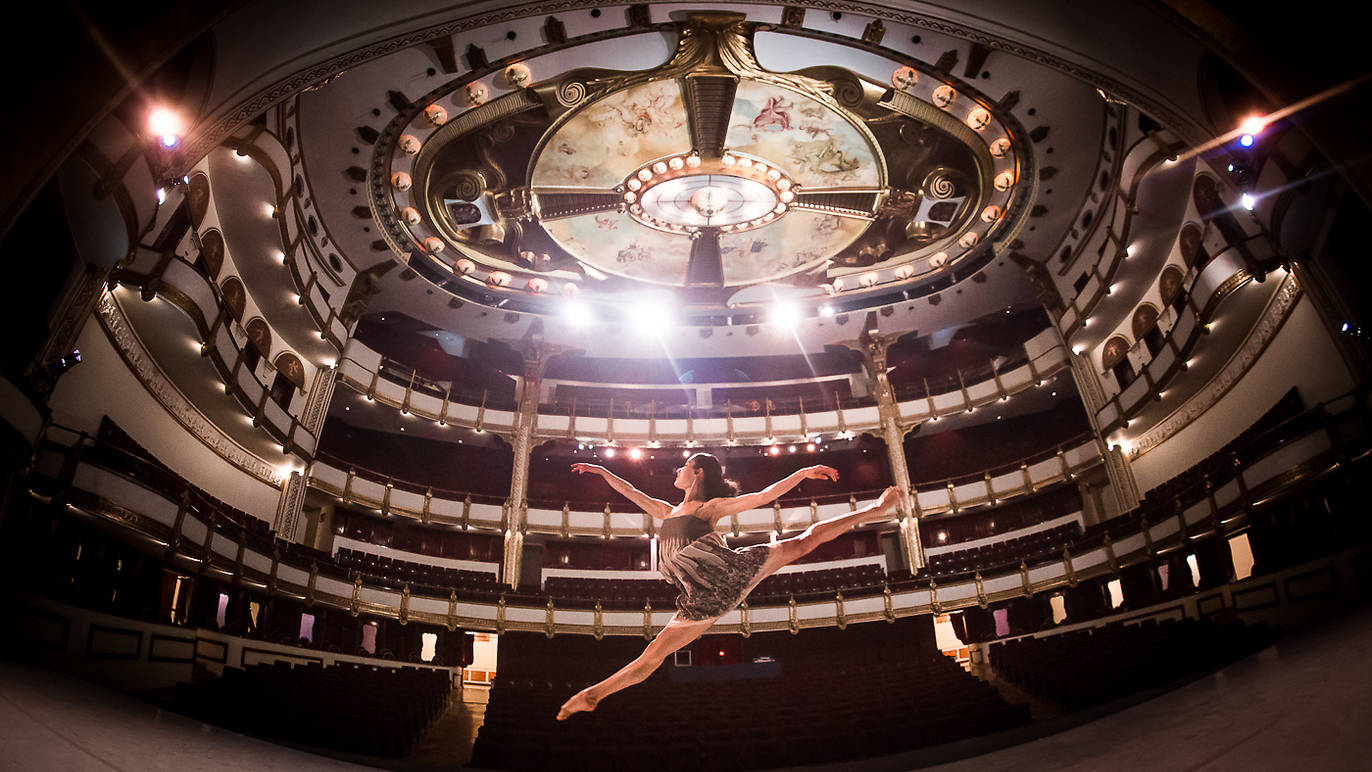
(767, 421)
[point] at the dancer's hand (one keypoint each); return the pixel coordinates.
(588, 469)
(820, 473)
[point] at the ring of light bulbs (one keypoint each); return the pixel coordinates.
(656, 172)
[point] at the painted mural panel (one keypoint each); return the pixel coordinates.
(800, 240)
(614, 243)
(599, 146)
(810, 142)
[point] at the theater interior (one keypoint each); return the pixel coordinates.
(314, 306)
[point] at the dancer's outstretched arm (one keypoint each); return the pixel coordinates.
(719, 508)
(655, 507)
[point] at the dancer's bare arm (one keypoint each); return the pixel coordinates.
(655, 507)
(720, 508)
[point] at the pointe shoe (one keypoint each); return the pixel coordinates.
(578, 703)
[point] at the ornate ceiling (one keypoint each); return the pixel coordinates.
(714, 161)
(707, 173)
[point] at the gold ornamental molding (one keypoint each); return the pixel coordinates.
(1276, 313)
(161, 387)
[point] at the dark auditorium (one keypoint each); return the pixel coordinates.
(719, 386)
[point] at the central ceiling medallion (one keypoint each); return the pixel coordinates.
(711, 173)
(732, 194)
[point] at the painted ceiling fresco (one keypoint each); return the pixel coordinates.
(798, 241)
(614, 243)
(806, 139)
(600, 145)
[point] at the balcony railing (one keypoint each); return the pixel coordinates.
(951, 496)
(1293, 454)
(367, 372)
(186, 286)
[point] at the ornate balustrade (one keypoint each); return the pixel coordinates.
(363, 369)
(938, 497)
(162, 524)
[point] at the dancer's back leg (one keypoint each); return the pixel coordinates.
(676, 634)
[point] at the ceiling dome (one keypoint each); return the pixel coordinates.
(707, 173)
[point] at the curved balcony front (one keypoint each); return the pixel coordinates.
(367, 371)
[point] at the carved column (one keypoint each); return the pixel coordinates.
(873, 348)
(317, 404)
(288, 507)
(1122, 483)
(522, 441)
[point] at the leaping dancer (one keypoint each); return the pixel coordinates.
(693, 557)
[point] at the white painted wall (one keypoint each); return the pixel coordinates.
(1301, 355)
(104, 385)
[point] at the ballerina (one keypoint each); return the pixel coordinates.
(692, 556)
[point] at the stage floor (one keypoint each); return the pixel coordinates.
(1304, 703)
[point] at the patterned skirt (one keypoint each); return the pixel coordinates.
(713, 578)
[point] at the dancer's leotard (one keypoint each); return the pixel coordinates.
(712, 578)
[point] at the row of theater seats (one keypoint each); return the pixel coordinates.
(1008, 552)
(1248, 445)
(807, 715)
(778, 588)
(431, 580)
(1089, 667)
(346, 707)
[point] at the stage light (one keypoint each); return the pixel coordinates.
(577, 314)
(635, 454)
(784, 315)
(1248, 201)
(685, 454)
(650, 316)
(166, 126)
(1246, 140)
(826, 310)
(609, 452)
(791, 449)
(1253, 124)
(773, 450)
(810, 448)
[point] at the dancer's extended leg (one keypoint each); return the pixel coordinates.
(788, 551)
(676, 634)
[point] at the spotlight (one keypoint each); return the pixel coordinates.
(685, 454)
(1248, 201)
(650, 316)
(635, 454)
(577, 314)
(1246, 140)
(609, 452)
(1253, 124)
(791, 449)
(773, 450)
(826, 310)
(810, 448)
(784, 315)
(162, 121)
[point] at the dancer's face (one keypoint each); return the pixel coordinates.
(686, 475)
